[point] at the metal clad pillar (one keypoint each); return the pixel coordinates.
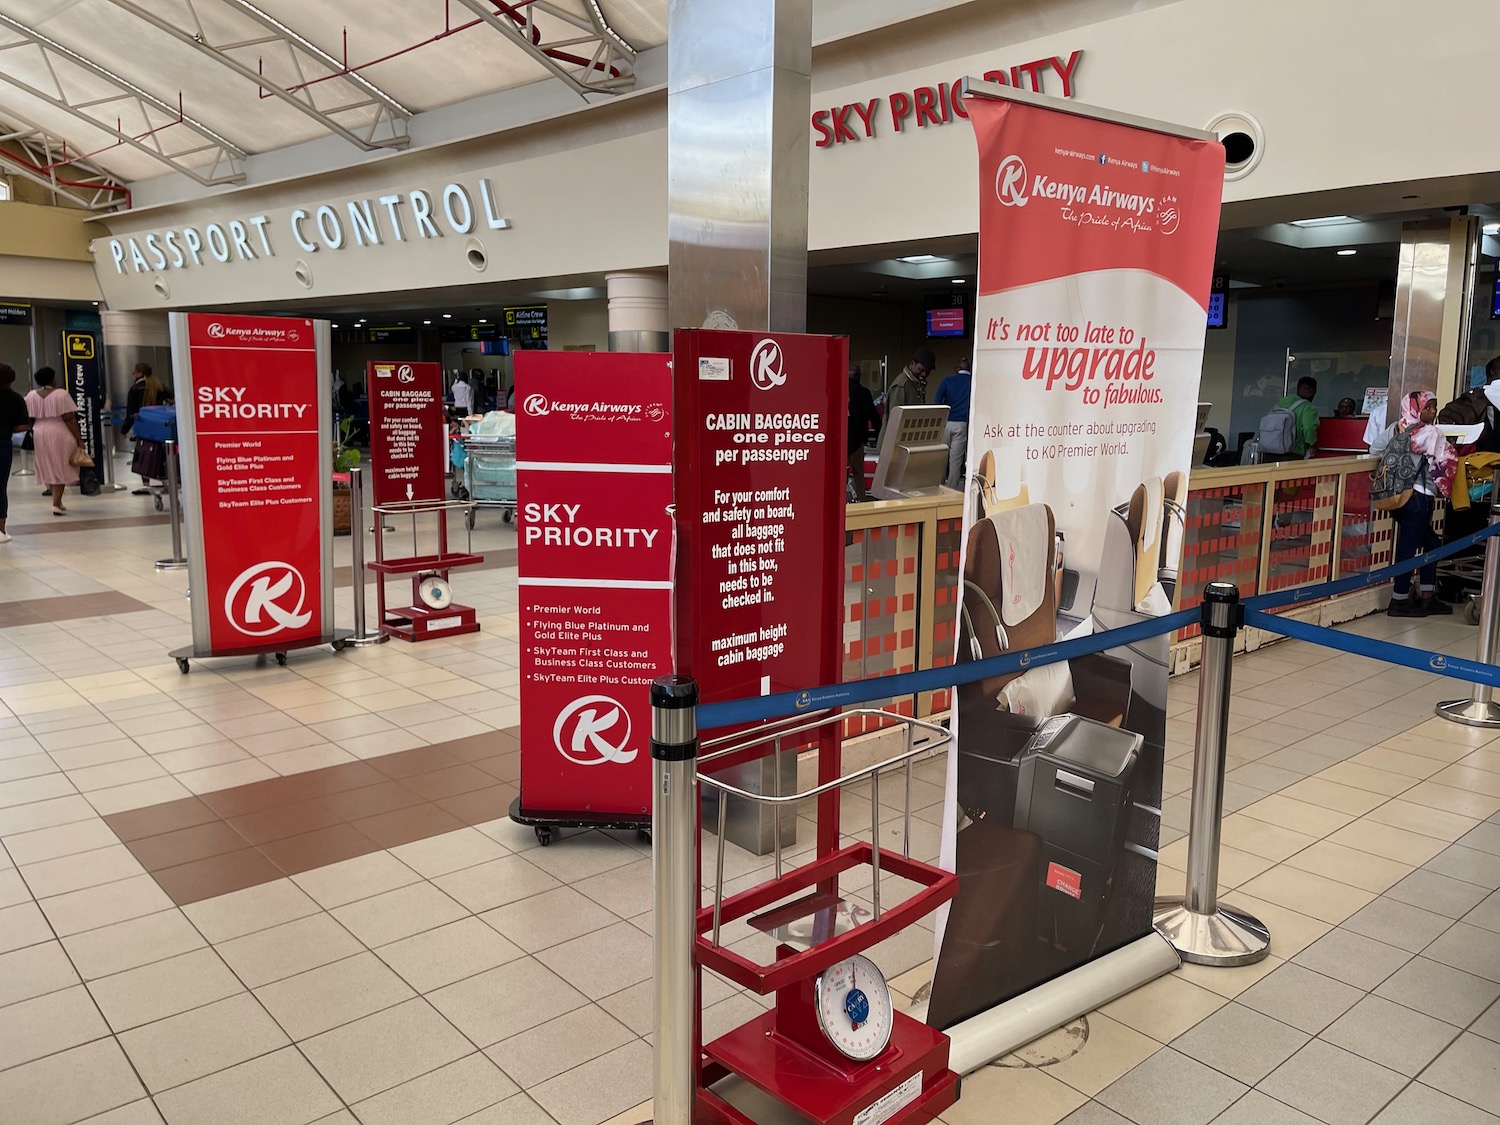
(638, 312)
(1434, 298)
(739, 81)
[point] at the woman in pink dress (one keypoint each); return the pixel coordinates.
(54, 429)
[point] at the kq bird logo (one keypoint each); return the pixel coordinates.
(267, 598)
(1011, 183)
(537, 406)
(217, 331)
(766, 364)
(405, 374)
(592, 731)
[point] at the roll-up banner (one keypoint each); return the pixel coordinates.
(1096, 250)
(594, 491)
(254, 425)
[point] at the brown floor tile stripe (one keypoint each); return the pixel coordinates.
(69, 523)
(200, 847)
(69, 607)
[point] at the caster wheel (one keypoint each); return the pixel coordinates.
(182, 665)
(1471, 611)
(506, 515)
(644, 835)
(159, 505)
(469, 519)
(339, 646)
(463, 493)
(281, 659)
(543, 835)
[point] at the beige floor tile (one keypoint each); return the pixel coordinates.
(1110, 1050)
(496, 883)
(70, 1086)
(143, 1112)
(129, 945)
(275, 1089)
(122, 798)
(32, 789)
(63, 840)
(86, 869)
(1229, 982)
(1422, 819)
(1371, 780)
(164, 988)
(1448, 799)
(506, 1001)
(632, 1116)
(559, 1045)
(391, 916)
(1165, 1008)
(1291, 932)
(77, 911)
(322, 999)
(430, 960)
(45, 814)
(181, 1048)
(288, 949)
(1030, 1097)
(34, 971)
(1299, 816)
(1388, 841)
(602, 962)
(1235, 866)
(114, 774)
(23, 925)
(452, 851)
(1470, 778)
(250, 910)
(47, 1024)
(226, 776)
(1384, 757)
(450, 1093)
(1326, 794)
(598, 1089)
(1268, 841)
(1310, 894)
(381, 1051)
(13, 889)
(354, 879)
(1348, 865)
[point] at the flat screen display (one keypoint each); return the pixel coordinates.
(1216, 310)
(945, 322)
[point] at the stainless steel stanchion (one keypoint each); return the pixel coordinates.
(357, 557)
(1201, 930)
(178, 561)
(25, 470)
(1480, 709)
(109, 460)
(674, 850)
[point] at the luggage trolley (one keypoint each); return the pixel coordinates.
(489, 467)
(833, 1048)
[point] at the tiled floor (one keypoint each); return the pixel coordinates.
(270, 895)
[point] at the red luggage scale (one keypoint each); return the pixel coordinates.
(834, 1071)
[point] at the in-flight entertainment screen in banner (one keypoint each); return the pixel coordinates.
(1096, 249)
(760, 468)
(594, 492)
(256, 475)
(408, 438)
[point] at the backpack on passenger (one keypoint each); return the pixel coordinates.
(1395, 476)
(1277, 432)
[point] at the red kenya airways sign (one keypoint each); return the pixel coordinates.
(936, 105)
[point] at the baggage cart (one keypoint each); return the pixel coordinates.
(490, 474)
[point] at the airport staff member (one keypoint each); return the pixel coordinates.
(955, 392)
(910, 387)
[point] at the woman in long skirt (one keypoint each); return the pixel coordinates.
(54, 428)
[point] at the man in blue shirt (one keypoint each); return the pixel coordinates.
(955, 392)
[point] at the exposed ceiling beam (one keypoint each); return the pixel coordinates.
(43, 160)
(205, 156)
(595, 61)
(373, 121)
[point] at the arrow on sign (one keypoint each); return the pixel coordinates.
(408, 490)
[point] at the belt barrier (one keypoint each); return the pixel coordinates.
(1423, 660)
(712, 716)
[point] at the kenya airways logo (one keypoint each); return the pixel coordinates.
(1011, 182)
(405, 374)
(537, 406)
(592, 731)
(766, 366)
(267, 598)
(217, 331)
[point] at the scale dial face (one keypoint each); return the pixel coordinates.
(854, 1008)
(434, 592)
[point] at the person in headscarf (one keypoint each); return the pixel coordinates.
(1414, 534)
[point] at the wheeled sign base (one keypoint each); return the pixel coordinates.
(338, 640)
(546, 823)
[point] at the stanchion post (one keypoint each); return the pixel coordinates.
(25, 470)
(109, 460)
(1201, 930)
(174, 513)
(1480, 709)
(357, 557)
(674, 850)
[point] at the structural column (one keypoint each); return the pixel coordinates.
(739, 81)
(1434, 308)
(638, 312)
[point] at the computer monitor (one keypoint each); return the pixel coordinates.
(913, 457)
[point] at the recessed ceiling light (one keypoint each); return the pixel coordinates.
(921, 259)
(960, 281)
(484, 322)
(447, 316)
(1347, 253)
(1326, 221)
(335, 326)
(1492, 228)
(427, 322)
